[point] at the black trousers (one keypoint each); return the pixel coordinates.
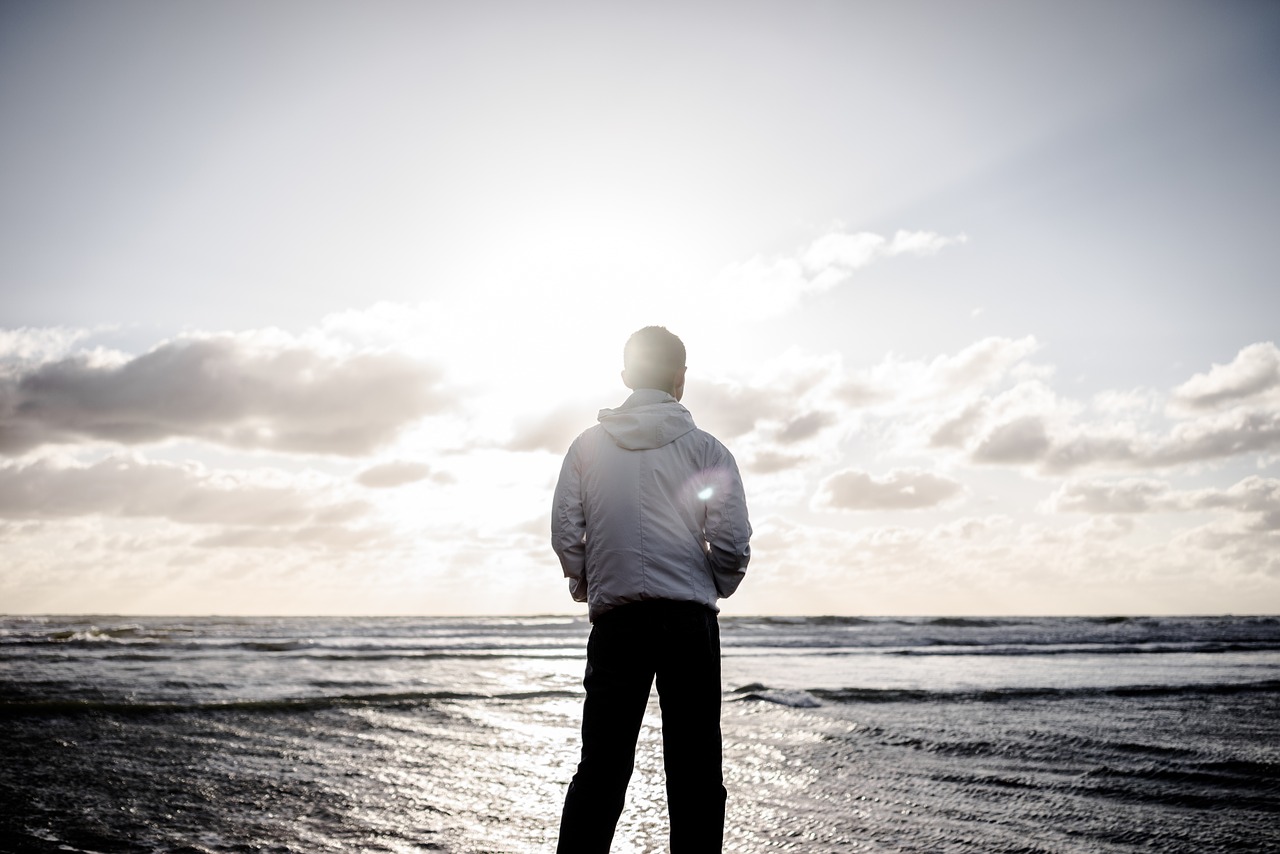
(679, 644)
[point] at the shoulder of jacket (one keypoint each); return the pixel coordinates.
(586, 440)
(709, 442)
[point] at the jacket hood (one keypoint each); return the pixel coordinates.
(648, 419)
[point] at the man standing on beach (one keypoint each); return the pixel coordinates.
(650, 525)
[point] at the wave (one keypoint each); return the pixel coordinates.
(1093, 649)
(410, 699)
(156, 650)
(792, 622)
(817, 696)
(758, 649)
(781, 697)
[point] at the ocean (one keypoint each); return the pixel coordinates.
(460, 734)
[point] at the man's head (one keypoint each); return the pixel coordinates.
(654, 358)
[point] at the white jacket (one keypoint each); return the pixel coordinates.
(649, 507)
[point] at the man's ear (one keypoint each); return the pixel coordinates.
(626, 381)
(677, 390)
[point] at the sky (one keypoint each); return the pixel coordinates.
(301, 303)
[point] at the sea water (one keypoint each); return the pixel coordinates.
(460, 734)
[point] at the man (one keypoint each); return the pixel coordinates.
(650, 525)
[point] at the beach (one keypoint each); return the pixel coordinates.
(460, 734)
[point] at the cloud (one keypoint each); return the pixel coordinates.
(1254, 374)
(552, 432)
(805, 426)
(807, 396)
(761, 287)
(241, 390)
(1255, 498)
(771, 462)
(833, 257)
(906, 489)
(38, 344)
(1027, 441)
(333, 537)
(1234, 411)
(1023, 440)
(1230, 434)
(954, 432)
(188, 493)
(731, 409)
(898, 383)
(399, 473)
(1099, 497)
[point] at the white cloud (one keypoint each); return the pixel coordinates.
(906, 489)
(993, 564)
(761, 287)
(553, 431)
(895, 383)
(833, 257)
(329, 537)
(1253, 376)
(37, 344)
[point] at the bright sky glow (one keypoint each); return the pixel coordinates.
(303, 302)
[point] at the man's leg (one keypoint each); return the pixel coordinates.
(619, 675)
(689, 691)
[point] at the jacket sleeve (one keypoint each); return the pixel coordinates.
(569, 527)
(728, 530)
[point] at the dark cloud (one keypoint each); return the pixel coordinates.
(1086, 451)
(769, 462)
(1256, 498)
(225, 389)
(399, 473)
(1023, 440)
(1127, 496)
(130, 487)
(1232, 434)
(908, 489)
(805, 426)
(732, 410)
(954, 432)
(860, 393)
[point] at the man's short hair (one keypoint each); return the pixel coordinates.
(652, 357)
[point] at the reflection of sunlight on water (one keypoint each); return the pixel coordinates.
(507, 769)
(643, 827)
(492, 776)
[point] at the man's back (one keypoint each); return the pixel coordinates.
(650, 507)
